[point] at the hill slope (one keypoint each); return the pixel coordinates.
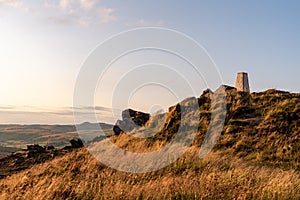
(256, 157)
(79, 176)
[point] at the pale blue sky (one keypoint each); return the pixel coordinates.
(44, 43)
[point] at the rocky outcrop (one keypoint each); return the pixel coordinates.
(20, 160)
(35, 150)
(131, 119)
(75, 144)
(172, 116)
(34, 154)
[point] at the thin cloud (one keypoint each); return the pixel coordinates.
(106, 15)
(88, 4)
(7, 107)
(20, 115)
(96, 108)
(81, 12)
(64, 4)
(83, 4)
(50, 4)
(11, 3)
(16, 4)
(62, 20)
(143, 22)
(84, 21)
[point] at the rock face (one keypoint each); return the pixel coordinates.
(174, 115)
(130, 119)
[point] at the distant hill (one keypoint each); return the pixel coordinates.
(15, 137)
(256, 157)
(94, 126)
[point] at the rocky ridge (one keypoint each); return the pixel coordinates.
(34, 154)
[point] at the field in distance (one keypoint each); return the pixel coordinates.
(16, 137)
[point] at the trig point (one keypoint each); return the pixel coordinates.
(242, 82)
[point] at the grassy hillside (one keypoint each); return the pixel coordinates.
(256, 157)
(262, 128)
(218, 176)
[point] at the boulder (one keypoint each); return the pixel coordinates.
(50, 147)
(131, 119)
(36, 148)
(76, 143)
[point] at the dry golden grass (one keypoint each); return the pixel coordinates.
(79, 176)
(252, 160)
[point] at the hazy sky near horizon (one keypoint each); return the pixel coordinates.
(44, 43)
